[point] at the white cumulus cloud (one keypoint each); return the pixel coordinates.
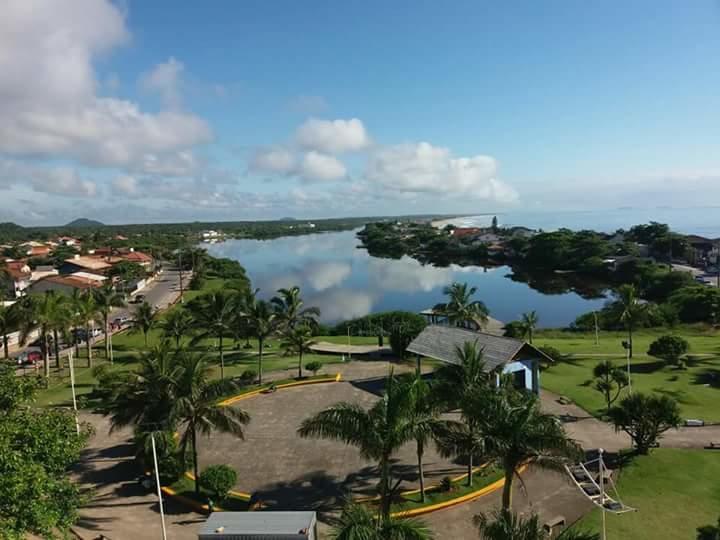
(333, 136)
(321, 167)
(273, 160)
(49, 99)
(424, 168)
(165, 79)
(60, 180)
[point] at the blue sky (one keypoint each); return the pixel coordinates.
(161, 111)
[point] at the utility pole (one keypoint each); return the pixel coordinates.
(181, 276)
(597, 336)
(157, 482)
(72, 386)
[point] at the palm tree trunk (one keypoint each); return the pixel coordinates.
(46, 353)
(88, 341)
(106, 322)
(222, 357)
(531, 335)
(260, 355)
(56, 346)
(6, 350)
(300, 363)
(76, 342)
(421, 471)
(385, 488)
(470, 470)
(507, 487)
(195, 462)
(630, 343)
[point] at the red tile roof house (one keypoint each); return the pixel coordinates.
(138, 257)
(465, 231)
(20, 275)
(67, 284)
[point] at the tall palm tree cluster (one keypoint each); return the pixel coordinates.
(171, 391)
(460, 309)
(56, 317)
(496, 424)
(230, 314)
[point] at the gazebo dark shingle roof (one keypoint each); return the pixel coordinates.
(441, 342)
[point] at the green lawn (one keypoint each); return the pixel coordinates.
(236, 362)
(481, 479)
(697, 388)
(674, 491)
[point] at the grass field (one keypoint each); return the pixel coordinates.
(674, 492)
(697, 388)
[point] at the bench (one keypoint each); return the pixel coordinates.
(713, 446)
(551, 524)
(694, 422)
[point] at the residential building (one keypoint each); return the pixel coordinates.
(20, 276)
(43, 271)
(68, 283)
(260, 526)
(502, 355)
(702, 251)
(86, 263)
(465, 232)
(138, 257)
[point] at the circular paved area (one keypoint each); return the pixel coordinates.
(289, 472)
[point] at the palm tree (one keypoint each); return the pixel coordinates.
(176, 325)
(263, 322)
(632, 311)
(529, 322)
(425, 421)
(298, 340)
(463, 439)
(196, 409)
(289, 308)
(453, 381)
(9, 321)
(44, 311)
(358, 522)
(460, 309)
(145, 397)
(506, 525)
(107, 298)
(213, 314)
(378, 432)
(87, 312)
(144, 320)
(515, 431)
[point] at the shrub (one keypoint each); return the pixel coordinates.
(515, 329)
(669, 348)
(247, 377)
(446, 484)
(218, 480)
(552, 352)
(645, 417)
(313, 366)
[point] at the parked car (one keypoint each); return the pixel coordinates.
(29, 358)
(120, 321)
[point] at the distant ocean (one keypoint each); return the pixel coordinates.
(703, 221)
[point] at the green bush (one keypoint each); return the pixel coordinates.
(249, 376)
(217, 481)
(313, 366)
(515, 329)
(669, 348)
(552, 352)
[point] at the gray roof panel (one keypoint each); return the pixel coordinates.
(260, 524)
(441, 342)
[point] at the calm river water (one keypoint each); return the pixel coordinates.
(345, 282)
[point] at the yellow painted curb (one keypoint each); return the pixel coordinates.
(252, 393)
(454, 502)
(196, 506)
(428, 489)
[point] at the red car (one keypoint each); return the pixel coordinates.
(29, 358)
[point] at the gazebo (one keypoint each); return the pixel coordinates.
(502, 355)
